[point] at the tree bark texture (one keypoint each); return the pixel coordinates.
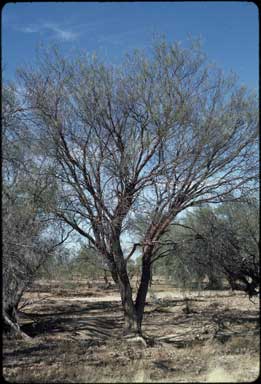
(142, 291)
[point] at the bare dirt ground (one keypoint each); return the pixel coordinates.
(194, 336)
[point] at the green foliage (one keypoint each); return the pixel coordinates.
(88, 264)
(28, 242)
(218, 243)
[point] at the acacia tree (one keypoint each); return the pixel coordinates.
(26, 242)
(91, 264)
(221, 243)
(163, 132)
(237, 246)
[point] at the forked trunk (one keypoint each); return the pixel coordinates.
(130, 315)
(133, 312)
(10, 319)
(12, 294)
(123, 282)
(10, 323)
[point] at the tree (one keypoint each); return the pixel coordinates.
(89, 263)
(221, 243)
(164, 132)
(237, 248)
(26, 242)
(196, 257)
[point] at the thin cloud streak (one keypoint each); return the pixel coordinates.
(59, 32)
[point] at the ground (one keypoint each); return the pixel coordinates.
(76, 336)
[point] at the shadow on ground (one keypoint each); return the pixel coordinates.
(96, 321)
(80, 341)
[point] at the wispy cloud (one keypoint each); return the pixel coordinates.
(30, 29)
(59, 32)
(62, 33)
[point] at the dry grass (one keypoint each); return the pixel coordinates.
(79, 340)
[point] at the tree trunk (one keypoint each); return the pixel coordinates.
(106, 281)
(12, 293)
(123, 282)
(10, 323)
(114, 277)
(9, 319)
(142, 291)
(214, 283)
(130, 316)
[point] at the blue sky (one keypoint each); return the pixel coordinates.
(229, 30)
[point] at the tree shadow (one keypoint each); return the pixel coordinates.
(70, 309)
(25, 351)
(78, 322)
(237, 323)
(198, 326)
(164, 365)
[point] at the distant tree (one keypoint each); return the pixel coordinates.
(163, 132)
(90, 264)
(238, 247)
(220, 243)
(197, 257)
(58, 266)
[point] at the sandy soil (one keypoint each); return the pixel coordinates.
(193, 336)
